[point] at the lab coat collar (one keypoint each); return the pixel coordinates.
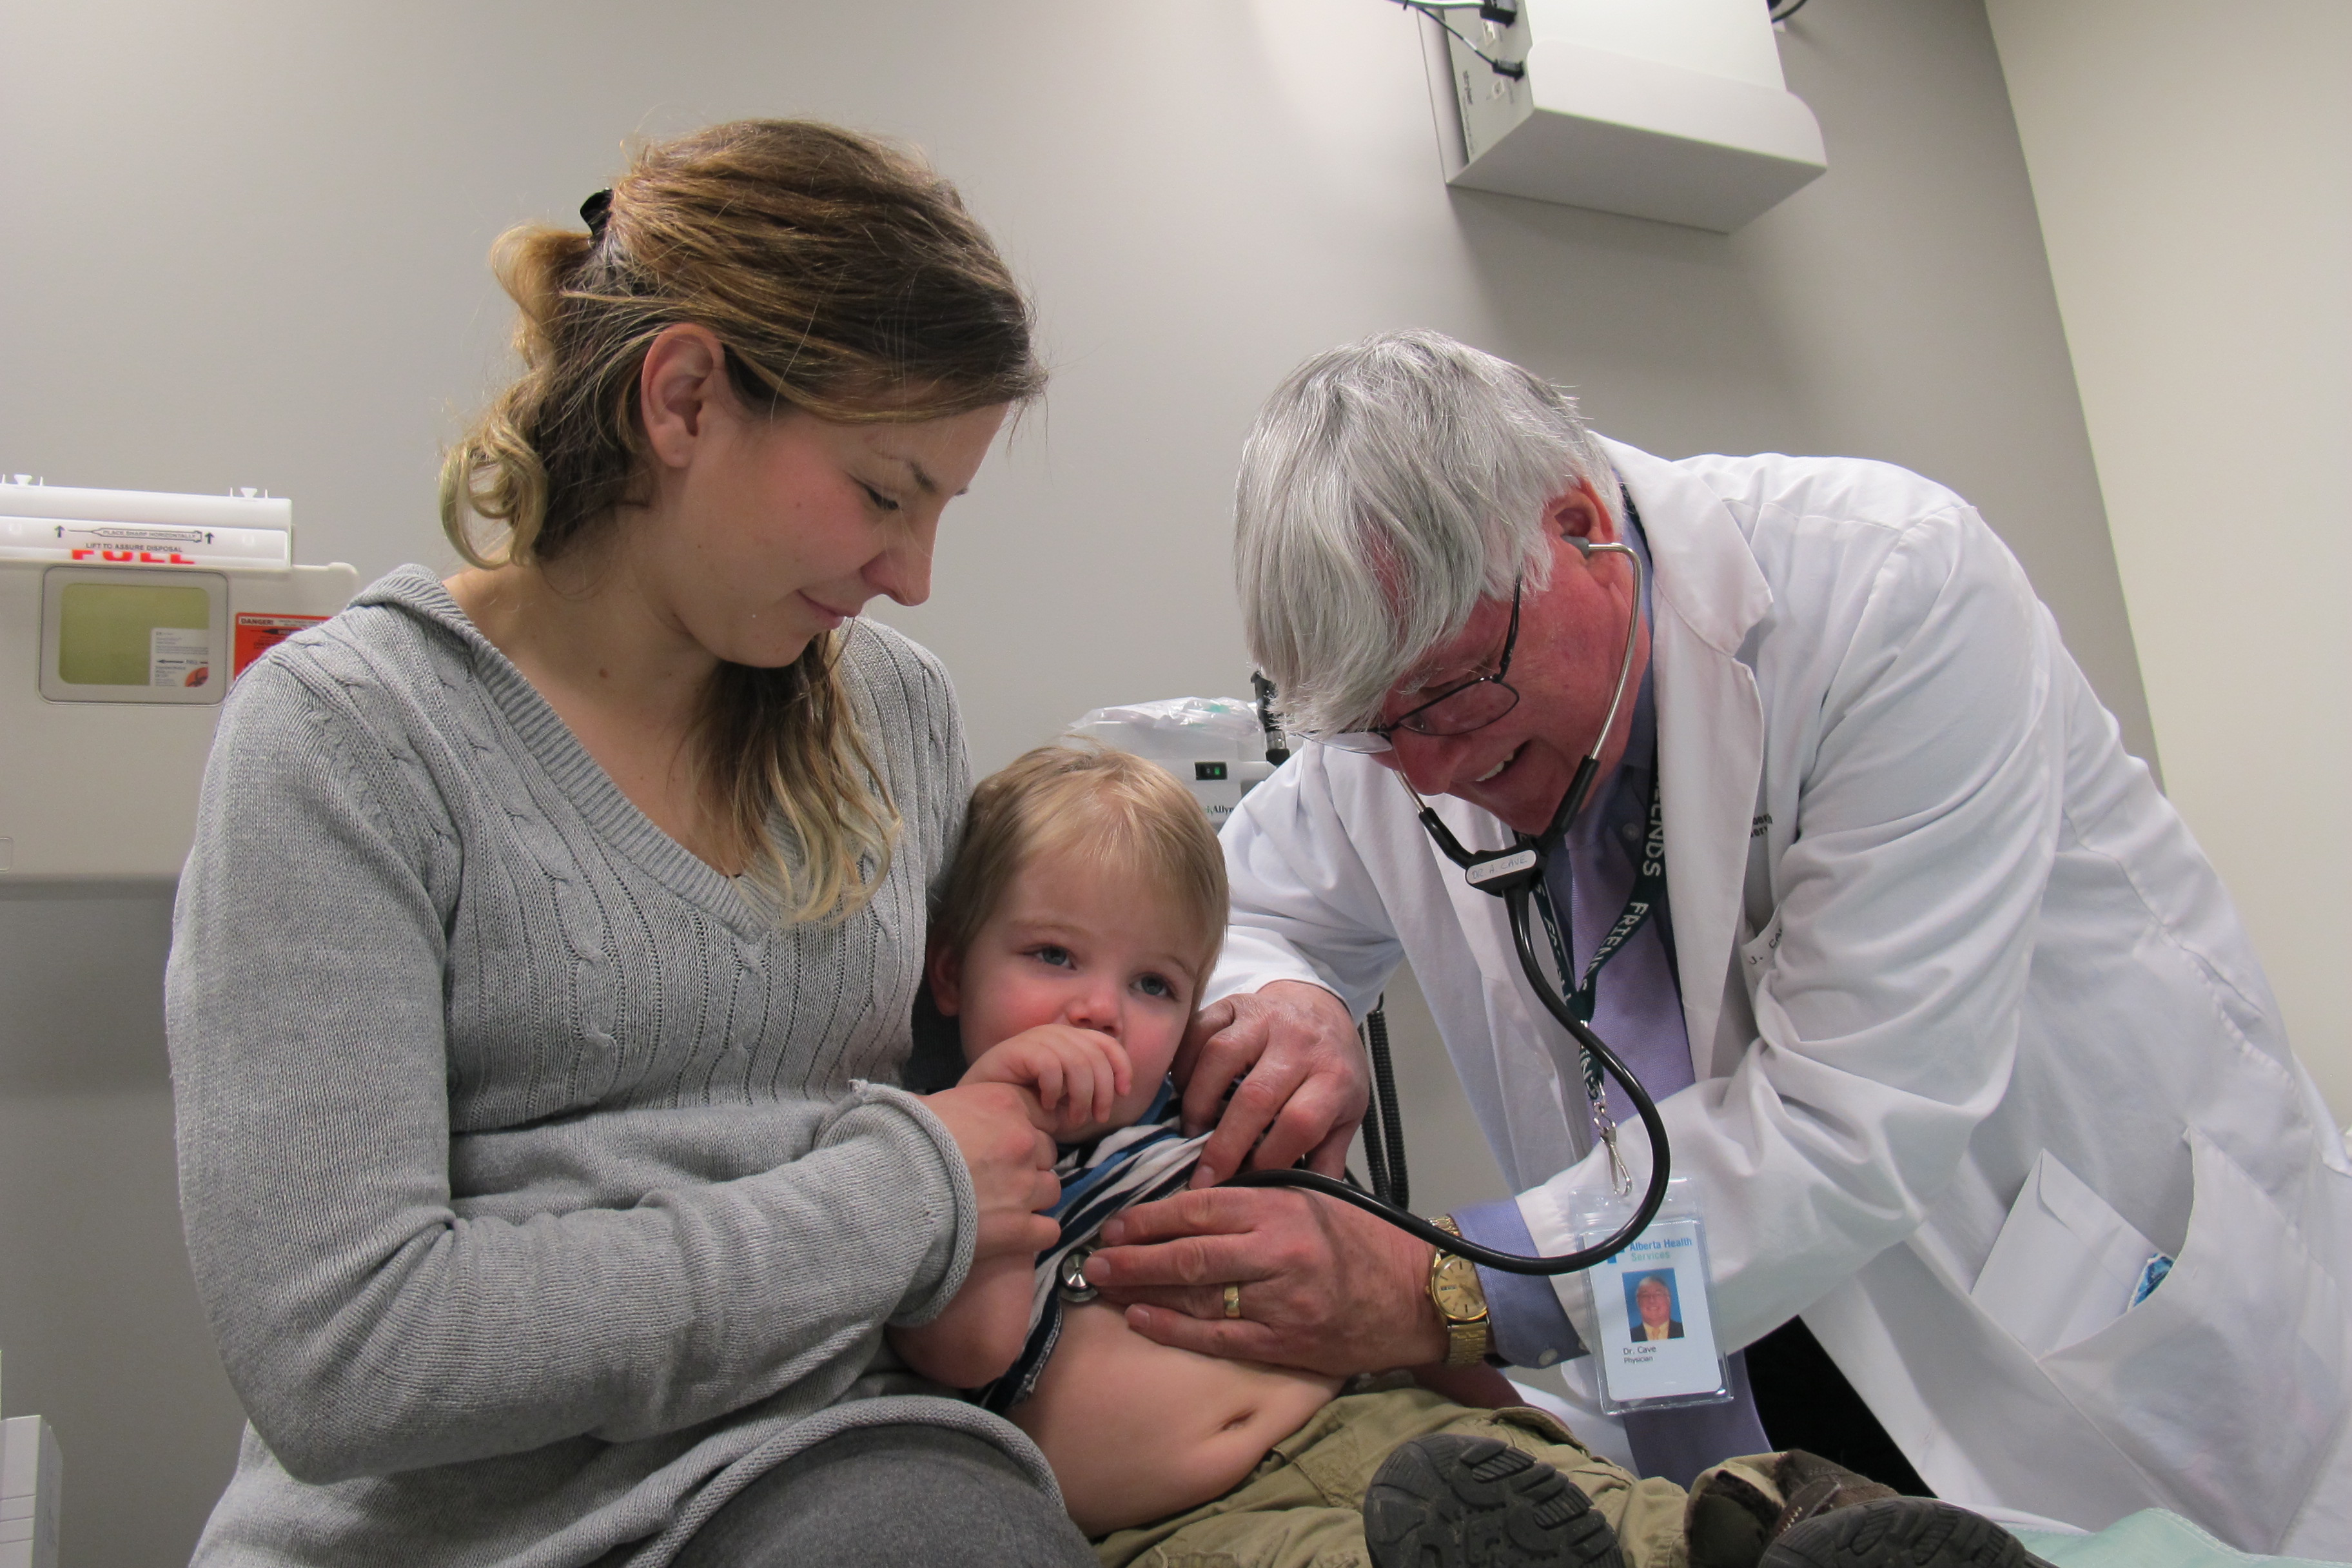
(1709, 595)
(1705, 571)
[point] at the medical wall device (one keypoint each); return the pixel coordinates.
(32, 1475)
(125, 616)
(1673, 110)
(1214, 745)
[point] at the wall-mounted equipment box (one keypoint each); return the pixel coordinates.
(31, 1472)
(125, 616)
(1673, 110)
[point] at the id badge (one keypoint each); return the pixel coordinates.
(1655, 1310)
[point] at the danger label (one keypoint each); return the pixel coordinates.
(256, 635)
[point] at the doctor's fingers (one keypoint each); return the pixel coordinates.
(1234, 1340)
(1189, 1271)
(1330, 1156)
(1224, 1043)
(1201, 1215)
(1206, 1024)
(1342, 1290)
(1282, 1324)
(1258, 1100)
(1318, 1122)
(1305, 1095)
(1294, 1047)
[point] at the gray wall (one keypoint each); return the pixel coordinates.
(2189, 166)
(246, 247)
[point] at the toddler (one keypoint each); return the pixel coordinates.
(1076, 926)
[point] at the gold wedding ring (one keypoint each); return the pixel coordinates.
(1233, 1300)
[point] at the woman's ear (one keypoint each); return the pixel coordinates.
(945, 967)
(683, 375)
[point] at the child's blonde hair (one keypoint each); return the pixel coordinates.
(1118, 808)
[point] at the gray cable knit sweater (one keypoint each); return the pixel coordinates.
(533, 1177)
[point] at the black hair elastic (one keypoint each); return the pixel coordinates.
(594, 211)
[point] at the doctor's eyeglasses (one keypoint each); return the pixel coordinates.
(1472, 705)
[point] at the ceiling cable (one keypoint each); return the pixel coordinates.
(1500, 15)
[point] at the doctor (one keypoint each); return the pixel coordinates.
(1940, 974)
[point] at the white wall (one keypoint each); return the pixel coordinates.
(245, 246)
(2192, 164)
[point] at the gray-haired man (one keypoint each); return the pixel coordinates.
(1933, 944)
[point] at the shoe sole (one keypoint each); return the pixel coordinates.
(1899, 1533)
(1452, 1502)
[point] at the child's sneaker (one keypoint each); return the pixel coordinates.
(1451, 1501)
(1797, 1510)
(1898, 1532)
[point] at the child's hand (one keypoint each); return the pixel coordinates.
(1077, 1075)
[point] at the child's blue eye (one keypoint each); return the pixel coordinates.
(1059, 957)
(1157, 986)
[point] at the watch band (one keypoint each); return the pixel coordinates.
(1460, 1297)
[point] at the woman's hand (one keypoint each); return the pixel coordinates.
(1304, 1083)
(995, 1126)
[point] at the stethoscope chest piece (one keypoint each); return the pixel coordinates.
(1071, 1277)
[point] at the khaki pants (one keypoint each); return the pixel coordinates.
(1302, 1507)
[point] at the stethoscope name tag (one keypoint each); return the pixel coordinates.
(1482, 871)
(1654, 1306)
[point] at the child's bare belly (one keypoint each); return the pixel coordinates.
(1136, 1430)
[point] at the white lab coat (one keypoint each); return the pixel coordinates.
(1931, 921)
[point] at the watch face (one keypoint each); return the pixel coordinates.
(1456, 1291)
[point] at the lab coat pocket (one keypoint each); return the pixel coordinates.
(2225, 1387)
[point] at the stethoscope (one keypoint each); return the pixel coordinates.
(1512, 875)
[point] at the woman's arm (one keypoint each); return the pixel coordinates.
(368, 1326)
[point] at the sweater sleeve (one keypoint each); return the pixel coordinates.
(368, 1326)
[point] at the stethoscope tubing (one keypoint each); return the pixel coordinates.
(1652, 1198)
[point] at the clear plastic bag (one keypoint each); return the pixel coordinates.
(1214, 745)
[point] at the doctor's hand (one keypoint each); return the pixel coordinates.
(1322, 1285)
(1011, 1161)
(1304, 1083)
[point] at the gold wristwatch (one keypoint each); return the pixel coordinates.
(1461, 1301)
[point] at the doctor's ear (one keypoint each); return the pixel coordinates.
(945, 969)
(1580, 519)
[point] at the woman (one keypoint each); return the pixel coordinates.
(550, 932)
